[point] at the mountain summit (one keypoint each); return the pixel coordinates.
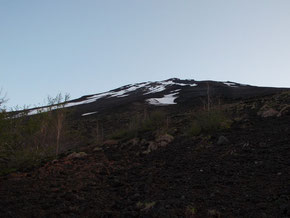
(164, 93)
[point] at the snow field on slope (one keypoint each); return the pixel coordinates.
(165, 100)
(146, 87)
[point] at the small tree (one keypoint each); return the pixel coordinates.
(208, 97)
(3, 100)
(58, 103)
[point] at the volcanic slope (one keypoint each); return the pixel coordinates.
(241, 170)
(162, 93)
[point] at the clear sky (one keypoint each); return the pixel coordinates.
(89, 46)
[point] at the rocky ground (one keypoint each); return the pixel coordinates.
(245, 173)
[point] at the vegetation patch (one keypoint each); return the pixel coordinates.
(190, 211)
(139, 125)
(146, 205)
(209, 122)
(28, 140)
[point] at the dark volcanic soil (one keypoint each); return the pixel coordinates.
(247, 178)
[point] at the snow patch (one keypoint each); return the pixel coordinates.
(231, 84)
(90, 113)
(157, 88)
(161, 86)
(42, 110)
(165, 100)
(87, 101)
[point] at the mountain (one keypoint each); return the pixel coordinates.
(163, 93)
(173, 148)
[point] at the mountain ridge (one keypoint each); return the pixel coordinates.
(164, 93)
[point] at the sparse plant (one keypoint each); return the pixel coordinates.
(195, 128)
(26, 140)
(146, 205)
(29, 157)
(208, 98)
(152, 122)
(139, 204)
(3, 100)
(156, 121)
(214, 213)
(59, 103)
(98, 133)
(190, 211)
(124, 134)
(209, 121)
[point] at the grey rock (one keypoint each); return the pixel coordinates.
(223, 140)
(270, 113)
(267, 111)
(77, 155)
(110, 142)
(165, 138)
(284, 111)
(98, 149)
(161, 141)
(152, 147)
(54, 161)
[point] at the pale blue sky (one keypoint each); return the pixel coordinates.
(89, 46)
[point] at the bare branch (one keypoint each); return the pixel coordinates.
(3, 98)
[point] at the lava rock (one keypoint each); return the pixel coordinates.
(284, 111)
(165, 138)
(267, 111)
(97, 149)
(110, 142)
(223, 140)
(77, 155)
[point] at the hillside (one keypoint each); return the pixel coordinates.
(174, 148)
(168, 92)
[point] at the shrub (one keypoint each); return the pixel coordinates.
(124, 134)
(209, 121)
(146, 205)
(155, 121)
(27, 140)
(30, 157)
(190, 211)
(195, 128)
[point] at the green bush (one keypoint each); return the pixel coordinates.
(208, 122)
(195, 128)
(25, 140)
(124, 134)
(29, 157)
(156, 121)
(137, 126)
